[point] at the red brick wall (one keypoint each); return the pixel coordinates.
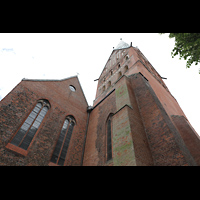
(189, 135)
(17, 105)
(166, 144)
(95, 149)
(128, 124)
(145, 130)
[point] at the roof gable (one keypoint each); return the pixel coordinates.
(61, 86)
(26, 79)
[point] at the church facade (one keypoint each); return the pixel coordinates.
(134, 121)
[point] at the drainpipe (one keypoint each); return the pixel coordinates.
(89, 109)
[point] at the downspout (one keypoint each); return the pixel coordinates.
(89, 109)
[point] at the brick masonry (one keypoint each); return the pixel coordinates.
(189, 135)
(129, 125)
(17, 105)
(95, 149)
(143, 132)
(167, 146)
(123, 149)
(148, 126)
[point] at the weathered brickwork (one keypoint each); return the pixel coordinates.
(189, 135)
(123, 149)
(166, 145)
(17, 105)
(95, 151)
(127, 107)
(134, 117)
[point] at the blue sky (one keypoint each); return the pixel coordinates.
(58, 56)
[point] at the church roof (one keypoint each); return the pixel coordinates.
(122, 45)
(26, 79)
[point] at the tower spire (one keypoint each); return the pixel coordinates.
(122, 45)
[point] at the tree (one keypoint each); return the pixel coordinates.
(187, 45)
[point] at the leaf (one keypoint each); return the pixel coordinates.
(187, 46)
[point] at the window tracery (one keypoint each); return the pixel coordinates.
(60, 151)
(28, 129)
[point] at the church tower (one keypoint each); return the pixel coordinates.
(135, 120)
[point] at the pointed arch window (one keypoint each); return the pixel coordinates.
(27, 131)
(126, 68)
(109, 84)
(111, 72)
(119, 74)
(109, 138)
(104, 88)
(60, 151)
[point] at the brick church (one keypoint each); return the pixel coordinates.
(134, 121)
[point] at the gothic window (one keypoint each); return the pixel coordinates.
(104, 87)
(27, 131)
(111, 72)
(127, 57)
(119, 75)
(119, 66)
(109, 138)
(126, 68)
(109, 84)
(60, 151)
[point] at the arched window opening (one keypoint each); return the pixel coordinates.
(111, 72)
(104, 87)
(60, 151)
(119, 65)
(119, 74)
(109, 84)
(126, 68)
(27, 131)
(127, 57)
(109, 138)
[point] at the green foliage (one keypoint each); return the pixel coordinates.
(187, 45)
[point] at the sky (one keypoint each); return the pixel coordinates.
(61, 55)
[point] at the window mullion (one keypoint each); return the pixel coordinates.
(63, 141)
(31, 124)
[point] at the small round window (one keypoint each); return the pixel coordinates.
(72, 88)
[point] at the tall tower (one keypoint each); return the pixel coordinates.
(135, 120)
